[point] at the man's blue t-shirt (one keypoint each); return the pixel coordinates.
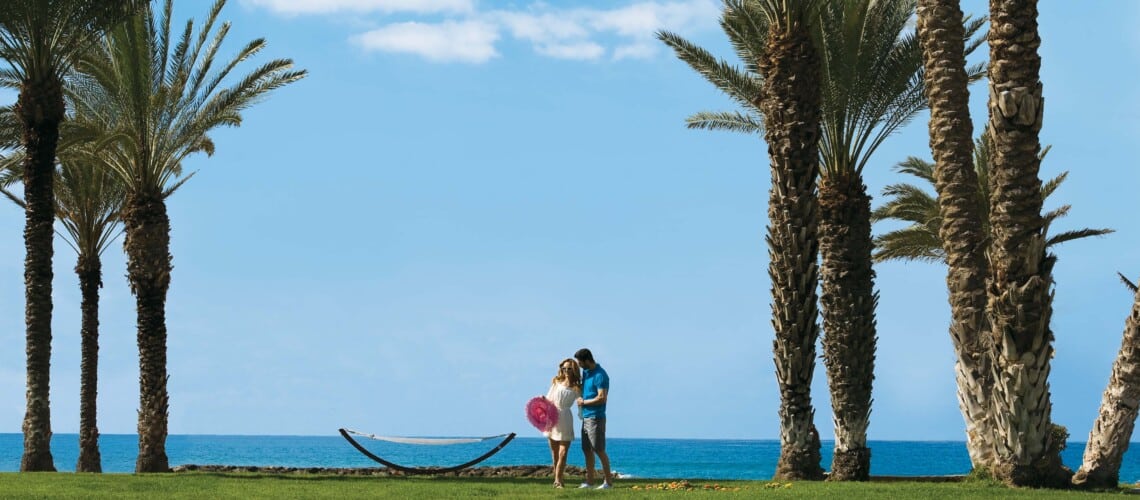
(592, 380)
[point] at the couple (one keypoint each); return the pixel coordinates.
(589, 390)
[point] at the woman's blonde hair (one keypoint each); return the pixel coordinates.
(573, 376)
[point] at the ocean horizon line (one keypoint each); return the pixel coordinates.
(335, 434)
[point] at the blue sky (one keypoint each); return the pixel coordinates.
(464, 192)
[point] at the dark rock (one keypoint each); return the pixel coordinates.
(518, 471)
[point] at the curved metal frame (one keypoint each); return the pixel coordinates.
(424, 470)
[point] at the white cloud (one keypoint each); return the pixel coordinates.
(540, 27)
(640, 50)
(449, 41)
(386, 6)
(466, 34)
(581, 51)
(554, 32)
(642, 20)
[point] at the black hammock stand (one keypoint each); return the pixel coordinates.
(421, 470)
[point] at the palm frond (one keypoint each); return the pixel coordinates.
(13, 198)
(10, 78)
(917, 167)
(975, 37)
(783, 15)
(174, 187)
(162, 93)
(748, 33)
(11, 131)
(740, 86)
(41, 38)
(907, 203)
(873, 77)
(1057, 213)
(1051, 185)
(733, 121)
(1076, 235)
(1128, 283)
(914, 243)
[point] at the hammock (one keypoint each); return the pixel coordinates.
(425, 441)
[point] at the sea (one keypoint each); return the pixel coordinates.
(707, 459)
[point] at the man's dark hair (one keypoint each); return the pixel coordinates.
(584, 354)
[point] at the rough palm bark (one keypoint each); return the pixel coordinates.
(147, 245)
(39, 39)
(941, 33)
(40, 110)
(791, 108)
(1112, 431)
(90, 273)
(164, 92)
(848, 297)
(1020, 281)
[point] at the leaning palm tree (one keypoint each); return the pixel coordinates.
(920, 241)
(946, 80)
(88, 199)
(1020, 281)
(781, 81)
(1110, 434)
(39, 39)
(164, 98)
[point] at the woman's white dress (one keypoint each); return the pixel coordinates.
(563, 398)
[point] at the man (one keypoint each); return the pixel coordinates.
(592, 406)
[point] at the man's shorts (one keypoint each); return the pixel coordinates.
(593, 435)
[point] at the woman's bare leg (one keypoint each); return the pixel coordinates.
(554, 457)
(560, 463)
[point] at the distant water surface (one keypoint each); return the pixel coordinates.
(648, 458)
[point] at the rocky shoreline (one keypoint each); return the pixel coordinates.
(510, 471)
(504, 471)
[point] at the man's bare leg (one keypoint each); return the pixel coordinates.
(605, 459)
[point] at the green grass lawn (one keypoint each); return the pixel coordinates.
(216, 485)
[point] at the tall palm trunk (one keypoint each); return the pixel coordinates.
(90, 272)
(1020, 279)
(40, 110)
(941, 34)
(848, 298)
(148, 251)
(791, 107)
(1109, 437)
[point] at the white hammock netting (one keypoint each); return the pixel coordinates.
(427, 441)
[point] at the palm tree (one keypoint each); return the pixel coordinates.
(781, 80)
(39, 39)
(1109, 437)
(946, 79)
(88, 199)
(910, 203)
(872, 86)
(1020, 284)
(164, 99)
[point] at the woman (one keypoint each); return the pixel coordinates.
(565, 389)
